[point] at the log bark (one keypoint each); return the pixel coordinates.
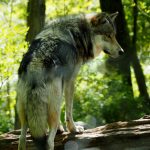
(132, 135)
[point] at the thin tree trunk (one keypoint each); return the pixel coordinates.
(35, 18)
(8, 98)
(136, 63)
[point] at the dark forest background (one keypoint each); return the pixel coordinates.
(107, 89)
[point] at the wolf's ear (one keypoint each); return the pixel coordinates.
(114, 15)
(99, 19)
(94, 21)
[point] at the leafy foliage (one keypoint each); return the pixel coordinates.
(64, 7)
(12, 45)
(101, 95)
(105, 97)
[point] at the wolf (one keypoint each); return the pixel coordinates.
(49, 69)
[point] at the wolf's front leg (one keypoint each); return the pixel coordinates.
(54, 105)
(69, 91)
(22, 138)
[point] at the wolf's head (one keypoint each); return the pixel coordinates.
(104, 31)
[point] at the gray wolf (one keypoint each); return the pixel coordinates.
(50, 67)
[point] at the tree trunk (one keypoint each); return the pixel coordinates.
(136, 63)
(35, 18)
(133, 135)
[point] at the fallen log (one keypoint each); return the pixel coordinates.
(132, 135)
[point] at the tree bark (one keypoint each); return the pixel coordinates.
(136, 63)
(35, 18)
(115, 136)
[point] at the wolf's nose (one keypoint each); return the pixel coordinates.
(121, 52)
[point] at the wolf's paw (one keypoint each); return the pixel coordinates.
(76, 129)
(60, 129)
(79, 129)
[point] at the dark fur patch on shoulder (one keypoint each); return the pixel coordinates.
(86, 35)
(63, 54)
(27, 57)
(83, 40)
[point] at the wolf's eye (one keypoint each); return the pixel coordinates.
(103, 21)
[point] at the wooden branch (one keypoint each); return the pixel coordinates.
(115, 136)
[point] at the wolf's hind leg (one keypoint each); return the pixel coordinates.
(54, 105)
(69, 91)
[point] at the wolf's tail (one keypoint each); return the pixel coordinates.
(37, 118)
